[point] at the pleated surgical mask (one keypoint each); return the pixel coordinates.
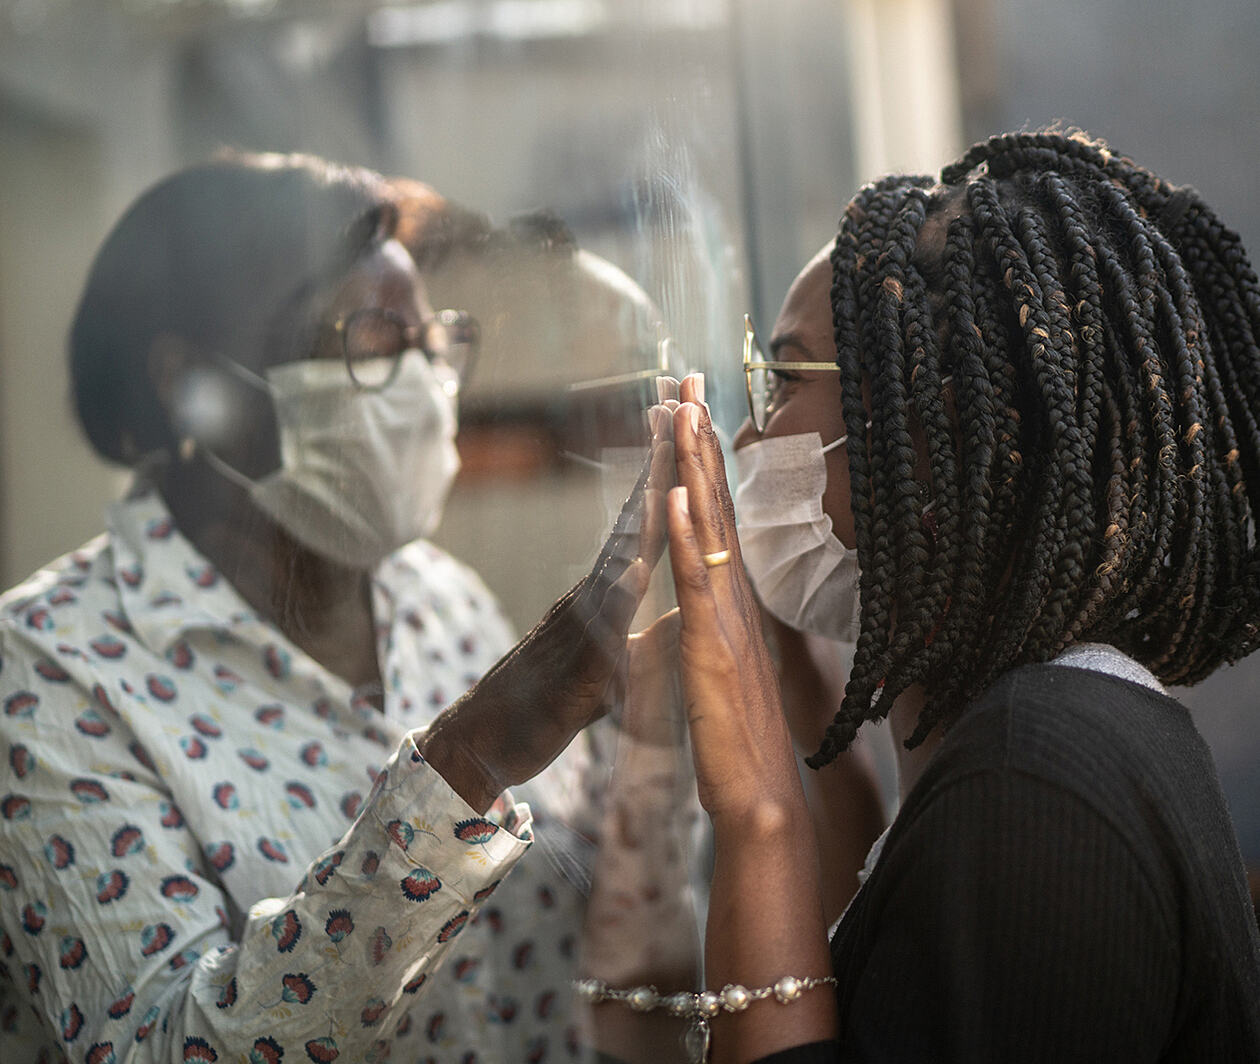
(362, 472)
(802, 573)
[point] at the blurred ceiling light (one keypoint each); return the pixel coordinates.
(449, 21)
(543, 19)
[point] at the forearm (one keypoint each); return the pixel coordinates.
(766, 922)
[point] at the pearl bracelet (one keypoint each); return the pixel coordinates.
(698, 1008)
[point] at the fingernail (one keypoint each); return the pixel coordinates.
(698, 378)
(654, 419)
(682, 499)
(695, 419)
(666, 388)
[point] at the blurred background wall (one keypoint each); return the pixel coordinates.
(705, 147)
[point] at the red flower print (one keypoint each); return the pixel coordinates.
(116, 621)
(452, 927)
(22, 704)
(420, 885)
(298, 989)
(15, 807)
(122, 1006)
(71, 1022)
(72, 954)
(225, 679)
(286, 929)
(276, 662)
(300, 796)
(322, 1050)
(372, 1012)
(181, 656)
(401, 832)
(40, 619)
(109, 647)
(221, 855)
(60, 852)
(91, 724)
(224, 795)
(339, 924)
(199, 1051)
(127, 840)
(150, 1021)
(207, 727)
(100, 1053)
(51, 671)
(266, 1051)
(227, 996)
(161, 687)
(33, 916)
(183, 959)
(380, 946)
(110, 886)
(254, 759)
(171, 815)
(102, 699)
(545, 1004)
(155, 938)
(326, 867)
(88, 791)
(271, 716)
(273, 850)
(179, 888)
(204, 576)
(475, 830)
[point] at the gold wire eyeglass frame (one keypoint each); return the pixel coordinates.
(755, 359)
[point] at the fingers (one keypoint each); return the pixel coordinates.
(702, 469)
(692, 582)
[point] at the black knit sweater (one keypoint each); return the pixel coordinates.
(1063, 884)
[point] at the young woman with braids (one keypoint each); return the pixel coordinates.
(1026, 396)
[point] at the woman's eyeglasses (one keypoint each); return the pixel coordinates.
(761, 376)
(373, 338)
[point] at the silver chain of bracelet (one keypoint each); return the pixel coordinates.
(698, 1009)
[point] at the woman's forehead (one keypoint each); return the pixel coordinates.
(805, 318)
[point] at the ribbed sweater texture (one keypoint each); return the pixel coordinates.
(1063, 884)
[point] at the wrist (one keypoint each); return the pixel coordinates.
(453, 758)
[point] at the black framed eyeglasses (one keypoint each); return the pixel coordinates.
(373, 338)
(760, 378)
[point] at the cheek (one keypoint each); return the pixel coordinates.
(835, 499)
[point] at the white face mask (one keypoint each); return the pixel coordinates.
(805, 577)
(361, 472)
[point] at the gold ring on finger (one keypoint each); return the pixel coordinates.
(718, 557)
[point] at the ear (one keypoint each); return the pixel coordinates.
(169, 361)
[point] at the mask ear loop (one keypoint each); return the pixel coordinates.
(836, 443)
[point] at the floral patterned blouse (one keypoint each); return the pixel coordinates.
(211, 850)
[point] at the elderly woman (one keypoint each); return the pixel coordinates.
(1007, 438)
(222, 835)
